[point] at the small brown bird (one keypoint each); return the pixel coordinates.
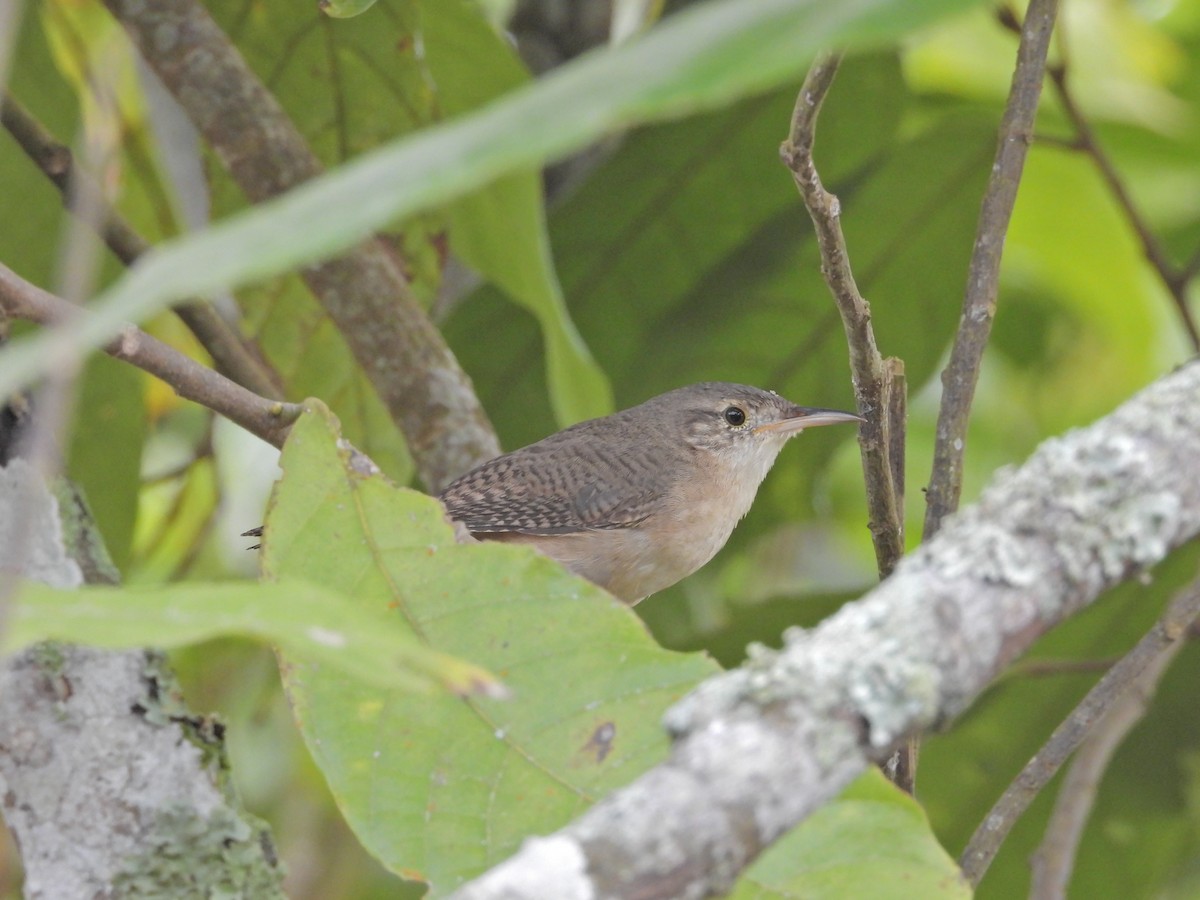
(640, 499)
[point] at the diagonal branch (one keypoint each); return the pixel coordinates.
(364, 291)
(983, 278)
(230, 355)
(760, 748)
(1151, 653)
(1175, 280)
(268, 419)
(1054, 860)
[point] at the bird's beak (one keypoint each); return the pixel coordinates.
(801, 417)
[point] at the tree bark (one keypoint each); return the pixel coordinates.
(109, 785)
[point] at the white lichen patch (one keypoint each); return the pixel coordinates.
(555, 865)
(991, 553)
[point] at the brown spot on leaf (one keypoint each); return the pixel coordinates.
(601, 741)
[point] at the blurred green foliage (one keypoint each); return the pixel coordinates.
(685, 255)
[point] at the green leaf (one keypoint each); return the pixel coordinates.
(701, 58)
(34, 82)
(319, 629)
(345, 9)
(311, 355)
(347, 86)
(500, 231)
(437, 788)
(105, 456)
(873, 841)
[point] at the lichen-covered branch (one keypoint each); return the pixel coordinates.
(1094, 711)
(983, 277)
(760, 748)
(269, 419)
(111, 787)
(364, 291)
(878, 384)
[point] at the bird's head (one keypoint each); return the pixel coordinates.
(744, 425)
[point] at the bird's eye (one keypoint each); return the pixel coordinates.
(735, 416)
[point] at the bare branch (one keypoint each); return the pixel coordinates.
(1054, 860)
(979, 304)
(1175, 280)
(231, 356)
(1049, 668)
(760, 748)
(268, 419)
(364, 291)
(1192, 267)
(1150, 654)
(878, 384)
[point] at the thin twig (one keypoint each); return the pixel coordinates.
(364, 291)
(229, 352)
(1162, 639)
(1175, 279)
(878, 391)
(1048, 668)
(1192, 268)
(979, 304)
(1054, 860)
(879, 384)
(268, 419)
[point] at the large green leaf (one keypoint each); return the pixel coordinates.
(347, 86)
(702, 58)
(350, 86)
(501, 230)
(27, 247)
(318, 628)
(88, 48)
(439, 788)
(311, 356)
(105, 457)
(873, 841)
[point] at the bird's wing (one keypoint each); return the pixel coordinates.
(536, 493)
